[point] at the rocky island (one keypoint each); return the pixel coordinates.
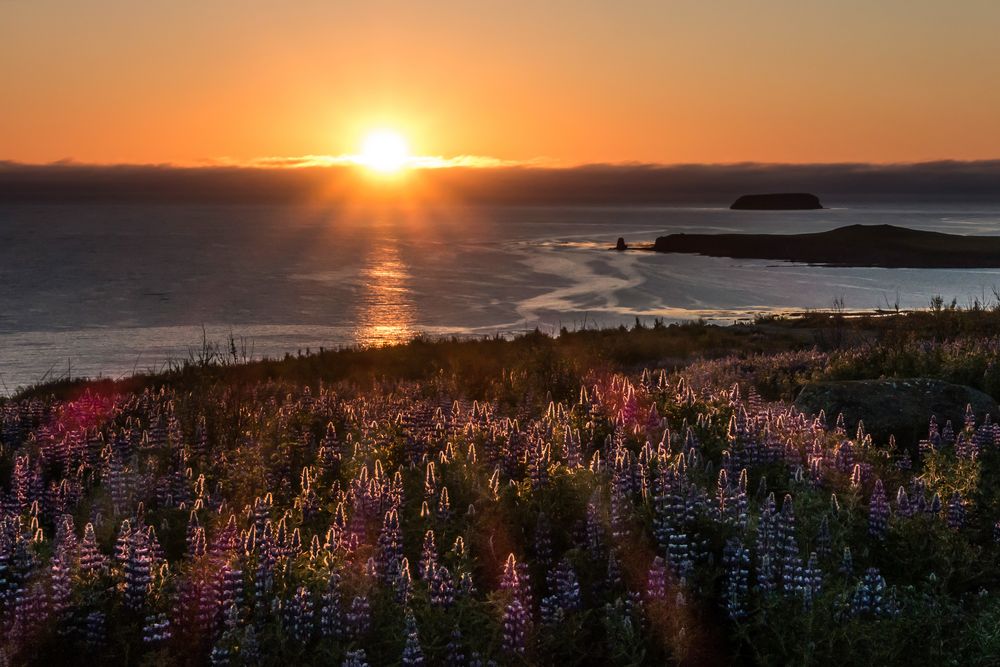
(780, 201)
(886, 246)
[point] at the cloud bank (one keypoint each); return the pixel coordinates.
(474, 181)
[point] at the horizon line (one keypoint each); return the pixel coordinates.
(472, 162)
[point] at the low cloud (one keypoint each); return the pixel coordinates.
(486, 180)
(416, 162)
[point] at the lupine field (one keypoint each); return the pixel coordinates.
(590, 515)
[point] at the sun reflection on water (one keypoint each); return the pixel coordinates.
(385, 305)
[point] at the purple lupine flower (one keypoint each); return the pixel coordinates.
(846, 562)
(230, 587)
(956, 512)
(264, 576)
(61, 587)
(878, 512)
(359, 617)
(789, 561)
(404, 582)
(680, 554)
(811, 581)
(613, 578)
(356, 658)
(656, 582)
(723, 493)
(871, 596)
(567, 586)
(455, 651)
(571, 448)
(430, 481)
(595, 529)
(736, 587)
(331, 618)
(444, 505)
(94, 627)
(428, 555)
(413, 655)
(220, 656)
(476, 660)
(948, 433)
(91, 559)
(903, 507)
(510, 580)
(767, 546)
(515, 628)
(441, 587)
(857, 478)
(543, 540)
(390, 544)
(620, 496)
(965, 446)
(156, 629)
(138, 575)
(934, 507)
(122, 542)
(299, 616)
(741, 502)
(824, 539)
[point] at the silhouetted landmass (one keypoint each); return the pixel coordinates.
(855, 245)
(599, 184)
(780, 201)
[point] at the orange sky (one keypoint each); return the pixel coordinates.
(570, 81)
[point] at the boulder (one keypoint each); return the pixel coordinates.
(900, 407)
(621, 245)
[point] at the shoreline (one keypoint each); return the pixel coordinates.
(656, 344)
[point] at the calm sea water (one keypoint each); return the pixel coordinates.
(105, 290)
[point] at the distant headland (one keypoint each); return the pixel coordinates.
(779, 201)
(885, 246)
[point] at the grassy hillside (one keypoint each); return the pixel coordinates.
(529, 501)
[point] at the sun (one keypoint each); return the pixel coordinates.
(384, 151)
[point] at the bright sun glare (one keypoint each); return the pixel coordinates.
(384, 151)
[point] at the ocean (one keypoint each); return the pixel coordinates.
(107, 290)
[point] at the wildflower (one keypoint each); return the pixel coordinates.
(428, 555)
(359, 617)
(515, 625)
(656, 586)
(441, 586)
(737, 578)
(156, 629)
(356, 658)
(871, 596)
(956, 512)
(413, 655)
(91, 559)
(454, 651)
(331, 622)
(878, 512)
(299, 616)
(138, 576)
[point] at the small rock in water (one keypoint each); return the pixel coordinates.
(621, 245)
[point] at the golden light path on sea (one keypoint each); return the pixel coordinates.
(386, 313)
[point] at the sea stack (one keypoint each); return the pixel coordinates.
(621, 245)
(778, 201)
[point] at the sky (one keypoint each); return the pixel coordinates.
(547, 82)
